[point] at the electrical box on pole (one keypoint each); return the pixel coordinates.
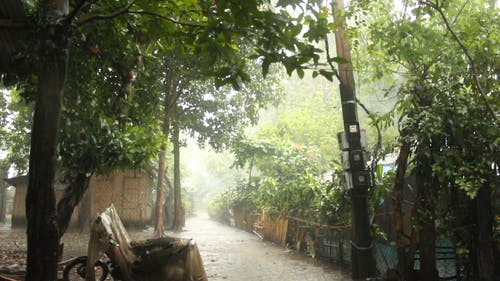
(352, 142)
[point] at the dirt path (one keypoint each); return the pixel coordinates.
(232, 254)
(228, 254)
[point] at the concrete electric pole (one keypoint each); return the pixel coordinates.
(356, 175)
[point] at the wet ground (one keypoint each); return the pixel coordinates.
(232, 254)
(228, 254)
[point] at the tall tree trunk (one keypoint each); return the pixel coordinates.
(484, 241)
(84, 212)
(401, 163)
(426, 222)
(250, 169)
(73, 194)
(168, 206)
(3, 193)
(179, 212)
(159, 194)
(161, 162)
(3, 200)
(42, 230)
(171, 96)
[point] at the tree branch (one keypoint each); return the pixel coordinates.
(79, 6)
(329, 59)
(467, 54)
(460, 12)
(124, 10)
(378, 145)
(165, 18)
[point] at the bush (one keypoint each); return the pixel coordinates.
(218, 209)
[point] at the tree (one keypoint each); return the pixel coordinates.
(171, 95)
(287, 175)
(204, 27)
(3, 191)
(214, 113)
(179, 213)
(111, 132)
(216, 116)
(42, 231)
(14, 138)
(446, 124)
(308, 119)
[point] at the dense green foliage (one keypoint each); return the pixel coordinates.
(218, 115)
(119, 39)
(439, 101)
(308, 116)
(16, 123)
(112, 132)
(437, 62)
(283, 179)
(444, 55)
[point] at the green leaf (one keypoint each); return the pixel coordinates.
(339, 60)
(327, 74)
(300, 72)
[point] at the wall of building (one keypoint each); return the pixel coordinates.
(129, 191)
(19, 209)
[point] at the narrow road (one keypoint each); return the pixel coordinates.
(235, 255)
(229, 254)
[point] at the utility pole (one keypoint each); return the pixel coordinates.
(356, 174)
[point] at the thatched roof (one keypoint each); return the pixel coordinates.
(23, 181)
(16, 181)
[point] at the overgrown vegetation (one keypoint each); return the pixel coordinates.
(283, 179)
(437, 63)
(434, 63)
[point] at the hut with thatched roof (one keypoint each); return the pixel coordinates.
(129, 191)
